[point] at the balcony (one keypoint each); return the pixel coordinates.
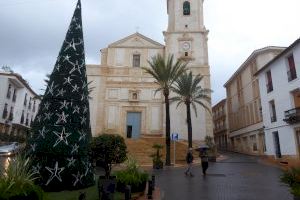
(218, 115)
(220, 129)
(292, 116)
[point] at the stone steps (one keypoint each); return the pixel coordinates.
(141, 149)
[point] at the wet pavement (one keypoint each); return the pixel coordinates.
(239, 177)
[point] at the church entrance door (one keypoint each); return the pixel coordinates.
(133, 125)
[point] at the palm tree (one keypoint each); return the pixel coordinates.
(165, 74)
(191, 93)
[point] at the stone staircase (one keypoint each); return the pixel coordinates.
(141, 149)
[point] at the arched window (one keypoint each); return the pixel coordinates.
(186, 8)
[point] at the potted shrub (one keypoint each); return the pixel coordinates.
(291, 177)
(157, 157)
(106, 150)
(132, 175)
(212, 150)
(17, 181)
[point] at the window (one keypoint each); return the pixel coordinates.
(254, 142)
(27, 119)
(8, 91)
(14, 95)
(22, 117)
(29, 106)
(136, 61)
(25, 100)
(4, 114)
(291, 71)
(269, 81)
(186, 8)
(186, 54)
(11, 114)
(33, 109)
(276, 144)
(272, 111)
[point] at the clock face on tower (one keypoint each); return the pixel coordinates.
(186, 46)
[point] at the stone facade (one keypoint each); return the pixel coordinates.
(124, 94)
(246, 131)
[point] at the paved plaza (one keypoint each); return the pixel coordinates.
(238, 177)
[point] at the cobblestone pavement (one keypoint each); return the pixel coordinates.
(239, 177)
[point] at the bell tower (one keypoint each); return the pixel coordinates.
(186, 38)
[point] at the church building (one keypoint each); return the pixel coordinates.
(124, 99)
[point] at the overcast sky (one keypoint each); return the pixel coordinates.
(32, 31)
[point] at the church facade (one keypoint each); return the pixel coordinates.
(124, 98)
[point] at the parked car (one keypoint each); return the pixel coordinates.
(10, 149)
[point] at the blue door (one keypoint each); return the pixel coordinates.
(133, 125)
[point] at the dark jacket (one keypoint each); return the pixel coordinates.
(189, 157)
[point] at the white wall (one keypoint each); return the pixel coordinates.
(281, 94)
(18, 105)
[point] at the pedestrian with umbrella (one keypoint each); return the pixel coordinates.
(204, 157)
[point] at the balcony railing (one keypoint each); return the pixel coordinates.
(220, 129)
(219, 114)
(292, 116)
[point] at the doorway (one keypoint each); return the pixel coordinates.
(297, 130)
(277, 144)
(133, 125)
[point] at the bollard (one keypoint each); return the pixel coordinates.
(128, 192)
(150, 188)
(82, 196)
(153, 182)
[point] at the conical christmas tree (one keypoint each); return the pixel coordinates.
(61, 131)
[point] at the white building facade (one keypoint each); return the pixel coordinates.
(279, 84)
(124, 100)
(18, 105)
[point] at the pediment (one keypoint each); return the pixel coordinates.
(136, 40)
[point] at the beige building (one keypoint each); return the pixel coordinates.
(124, 100)
(246, 130)
(220, 120)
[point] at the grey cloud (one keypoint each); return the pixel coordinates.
(32, 31)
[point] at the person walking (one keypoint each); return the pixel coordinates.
(204, 161)
(189, 160)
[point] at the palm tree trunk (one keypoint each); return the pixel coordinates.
(189, 124)
(168, 140)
